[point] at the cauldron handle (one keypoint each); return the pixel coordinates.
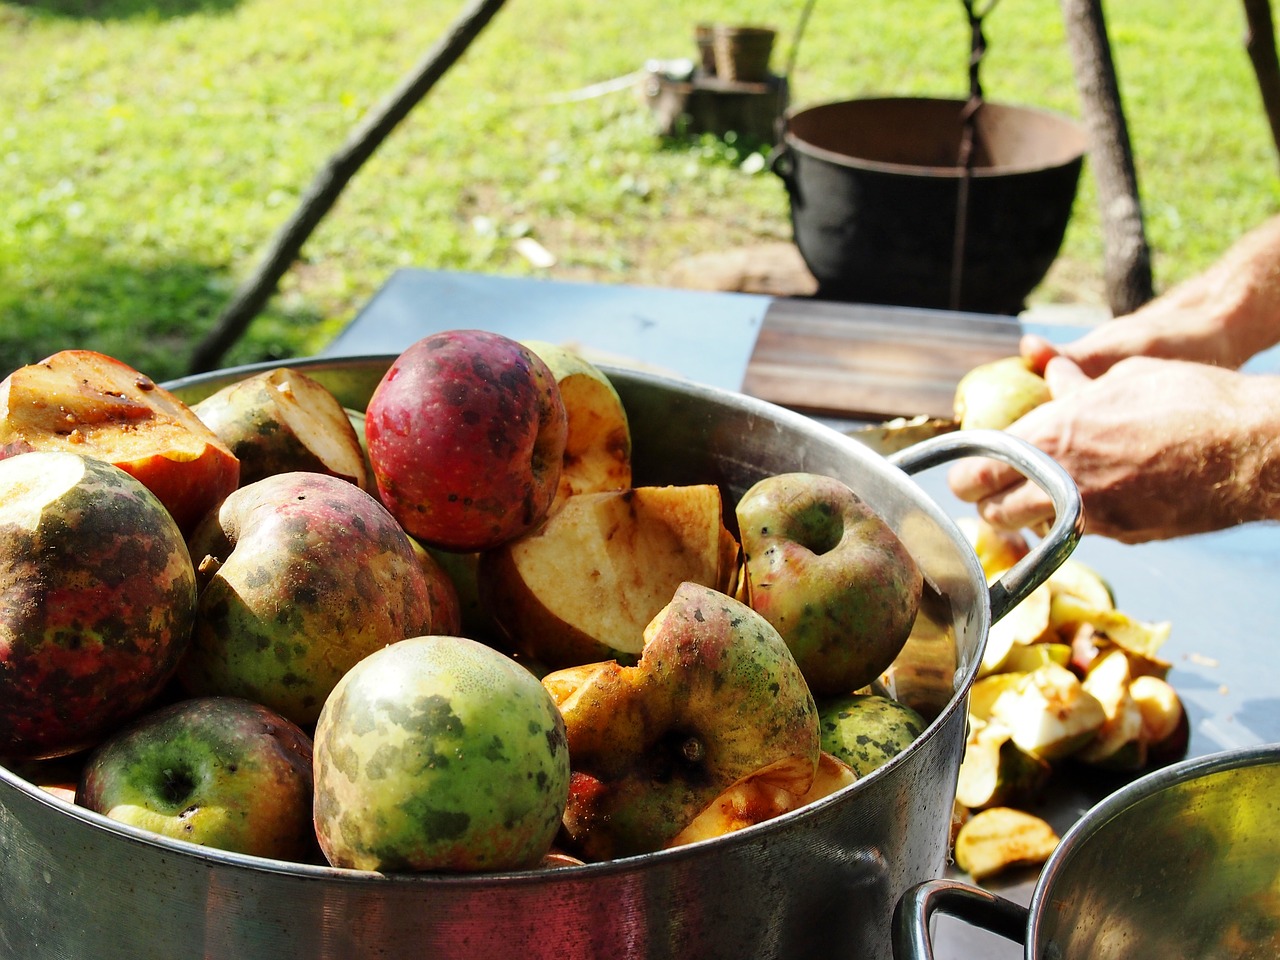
(1068, 522)
(973, 905)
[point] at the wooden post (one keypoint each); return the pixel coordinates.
(1127, 267)
(337, 172)
(1260, 44)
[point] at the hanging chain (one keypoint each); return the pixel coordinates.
(968, 139)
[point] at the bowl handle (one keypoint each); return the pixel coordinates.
(1068, 523)
(973, 905)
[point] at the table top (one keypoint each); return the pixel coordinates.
(1218, 590)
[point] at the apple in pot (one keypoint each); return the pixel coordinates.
(220, 772)
(466, 434)
(715, 697)
(280, 421)
(830, 574)
(300, 576)
(442, 754)
(86, 403)
(97, 601)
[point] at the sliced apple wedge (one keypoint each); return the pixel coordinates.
(83, 402)
(999, 838)
(584, 585)
(715, 697)
(995, 771)
(281, 420)
(1121, 742)
(1049, 713)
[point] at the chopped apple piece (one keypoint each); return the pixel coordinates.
(997, 550)
(995, 771)
(1049, 712)
(1026, 623)
(1140, 640)
(998, 838)
(1083, 582)
(1164, 719)
(1119, 743)
(82, 402)
(582, 586)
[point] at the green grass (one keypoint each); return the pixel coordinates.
(150, 150)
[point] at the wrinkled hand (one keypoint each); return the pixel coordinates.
(1158, 448)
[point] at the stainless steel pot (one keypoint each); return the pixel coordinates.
(820, 882)
(1181, 863)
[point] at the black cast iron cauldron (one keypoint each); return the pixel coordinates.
(814, 884)
(875, 191)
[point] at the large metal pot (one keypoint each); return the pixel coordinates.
(879, 215)
(820, 882)
(1181, 863)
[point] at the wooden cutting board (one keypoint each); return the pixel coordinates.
(863, 361)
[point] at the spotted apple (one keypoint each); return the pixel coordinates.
(830, 574)
(466, 434)
(219, 772)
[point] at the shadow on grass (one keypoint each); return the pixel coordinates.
(121, 9)
(151, 319)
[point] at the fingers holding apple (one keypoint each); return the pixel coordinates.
(220, 772)
(830, 574)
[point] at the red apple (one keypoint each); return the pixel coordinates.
(216, 771)
(82, 402)
(439, 753)
(466, 433)
(97, 601)
(301, 575)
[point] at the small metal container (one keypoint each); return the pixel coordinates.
(1181, 863)
(820, 882)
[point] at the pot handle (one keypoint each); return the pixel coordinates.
(975, 906)
(1068, 523)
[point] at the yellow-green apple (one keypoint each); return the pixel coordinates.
(993, 395)
(82, 402)
(281, 420)
(439, 754)
(97, 601)
(220, 772)
(716, 696)
(830, 574)
(466, 434)
(867, 730)
(597, 452)
(584, 585)
(300, 576)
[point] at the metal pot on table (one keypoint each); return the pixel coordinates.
(1182, 863)
(819, 882)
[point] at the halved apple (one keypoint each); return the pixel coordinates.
(84, 402)
(584, 585)
(280, 420)
(715, 697)
(597, 451)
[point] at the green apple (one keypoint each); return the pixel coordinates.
(439, 754)
(584, 585)
(301, 575)
(281, 420)
(597, 451)
(830, 574)
(867, 730)
(993, 395)
(715, 697)
(215, 771)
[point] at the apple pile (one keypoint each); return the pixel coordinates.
(444, 633)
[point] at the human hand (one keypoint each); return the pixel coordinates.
(1158, 448)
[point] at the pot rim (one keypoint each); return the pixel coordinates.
(198, 385)
(1075, 155)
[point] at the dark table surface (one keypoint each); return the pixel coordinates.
(1220, 591)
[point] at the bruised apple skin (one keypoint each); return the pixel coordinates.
(300, 576)
(466, 433)
(830, 575)
(715, 697)
(97, 601)
(82, 402)
(442, 754)
(219, 772)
